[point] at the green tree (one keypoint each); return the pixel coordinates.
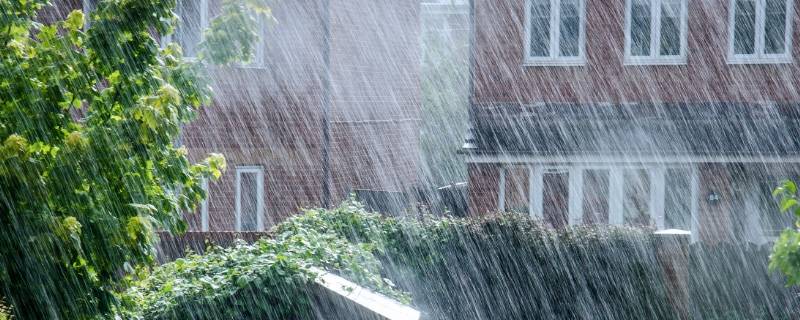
(88, 164)
(786, 251)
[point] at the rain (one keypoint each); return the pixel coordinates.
(399, 159)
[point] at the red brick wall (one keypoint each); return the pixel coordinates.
(500, 76)
(272, 117)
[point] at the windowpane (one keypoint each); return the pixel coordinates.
(249, 201)
(540, 28)
(640, 27)
(678, 199)
(190, 28)
(569, 29)
(744, 27)
(670, 28)
(775, 27)
(636, 203)
(517, 184)
(555, 205)
(595, 196)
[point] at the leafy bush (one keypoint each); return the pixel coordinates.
(507, 266)
(267, 280)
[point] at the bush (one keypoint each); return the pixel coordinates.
(507, 266)
(267, 280)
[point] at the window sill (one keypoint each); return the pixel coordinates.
(759, 60)
(655, 61)
(554, 63)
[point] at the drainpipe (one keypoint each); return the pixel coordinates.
(326, 105)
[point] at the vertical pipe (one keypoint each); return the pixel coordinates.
(501, 190)
(326, 105)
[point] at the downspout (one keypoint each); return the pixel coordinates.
(326, 104)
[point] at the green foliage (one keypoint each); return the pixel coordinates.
(267, 280)
(88, 165)
(507, 266)
(786, 251)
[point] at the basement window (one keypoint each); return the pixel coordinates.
(760, 31)
(555, 32)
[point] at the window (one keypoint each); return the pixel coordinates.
(193, 19)
(595, 196)
(678, 199)
(655, 31)
(249, 198)
(760, 31)
(556, 198)
(636, 197)
(259, 51)
(88, 7)
(555, 32)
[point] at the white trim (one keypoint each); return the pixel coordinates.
(695, 204)
(616, 194)
(259, 171)
(655, 57)
(501, 191)
(575, 195)
(760, 57)
(554, 58)
(658, 186)
(536, 192)
(204, 207)
(631, 159)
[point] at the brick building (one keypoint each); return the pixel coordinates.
(667, 113)
(329, 104)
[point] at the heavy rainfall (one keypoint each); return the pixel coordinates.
(399, 159)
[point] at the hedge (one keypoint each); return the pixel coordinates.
(504, 266)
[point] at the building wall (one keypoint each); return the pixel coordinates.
(500, 76)
(375, 95)
(272, 117)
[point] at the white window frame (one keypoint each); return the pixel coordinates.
(759, 57)
(554, 59)
(259, 171)
(616, 190)
(204, 23)
(204, 225)
(655, 57)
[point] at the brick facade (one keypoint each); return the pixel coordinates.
(272, 117)
(724, 197)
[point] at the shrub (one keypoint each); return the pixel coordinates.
(267, 280)
(507, 266)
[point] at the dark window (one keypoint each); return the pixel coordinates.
(744, 37)
(569, 28)
(775, 27)
(640, 27)
(670, 28)
(249, 197)
(595, 196)
(678, 199)
(555, 205)
(540, 28)
(636, 197)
